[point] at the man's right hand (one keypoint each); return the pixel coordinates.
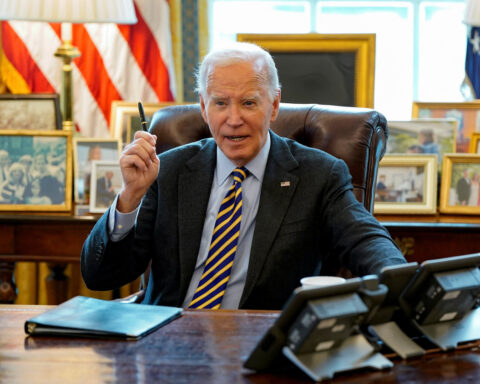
(139, 165)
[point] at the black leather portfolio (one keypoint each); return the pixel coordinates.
(88, 317)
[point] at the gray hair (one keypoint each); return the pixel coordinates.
(238, 52)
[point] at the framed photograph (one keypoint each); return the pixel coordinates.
(35, 170)
(422, 136)
(125, 119)
(85, 151)
(460, 191)
(30, 111)
(335, 69)
(406, 184)
(105, 183)
(474, 141)
(467, 115)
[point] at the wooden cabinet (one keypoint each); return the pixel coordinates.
(58, 238)
(53, 238)
(430, 237)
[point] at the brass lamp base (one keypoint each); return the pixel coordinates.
(67, 52)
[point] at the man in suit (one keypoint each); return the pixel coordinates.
(298, 208)
(105, 190)
(463, 188)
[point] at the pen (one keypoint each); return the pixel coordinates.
(143, 120)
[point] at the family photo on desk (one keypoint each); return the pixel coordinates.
(465, 187)
(32, 170)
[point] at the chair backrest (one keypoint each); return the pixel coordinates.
(356, 135)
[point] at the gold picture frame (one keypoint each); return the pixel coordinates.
(318, 64)
(456, 195)
(39, 175)
(406, 184)
(474, 141)
(125, 119)
(466, 113)
(85, 151)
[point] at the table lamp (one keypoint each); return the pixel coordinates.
(68, 12)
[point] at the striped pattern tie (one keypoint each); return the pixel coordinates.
(211, 288)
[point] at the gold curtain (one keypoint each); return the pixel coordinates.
(31, 280)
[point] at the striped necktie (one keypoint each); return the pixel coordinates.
(211, 288)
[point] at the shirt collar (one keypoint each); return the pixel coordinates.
(256, 166)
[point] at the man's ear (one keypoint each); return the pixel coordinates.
(276, 106)
(202, 108)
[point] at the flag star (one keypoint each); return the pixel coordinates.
(475, 42)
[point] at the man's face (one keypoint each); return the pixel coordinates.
(238, 110)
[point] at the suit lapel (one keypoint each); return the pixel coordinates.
(194, 185)
(278, 188)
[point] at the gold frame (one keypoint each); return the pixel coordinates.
(448, 163)
(76, 165)
(474, 141)
(121, 110)
(439, 109)
(67, 205)
(429, 205)
(363, 45)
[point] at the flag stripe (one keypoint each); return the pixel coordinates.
(132, 83)
(156, 15)
(92, 68)
(18, 55)
(147, 54)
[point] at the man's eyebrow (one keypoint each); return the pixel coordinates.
(218, 97)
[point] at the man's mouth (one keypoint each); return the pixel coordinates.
(236, 138)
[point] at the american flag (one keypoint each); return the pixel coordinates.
(472, 61)
(117, 62)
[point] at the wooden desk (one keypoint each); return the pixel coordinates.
(200, 347)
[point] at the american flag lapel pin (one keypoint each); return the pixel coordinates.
(285, 184)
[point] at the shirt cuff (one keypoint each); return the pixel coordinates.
(119, 224)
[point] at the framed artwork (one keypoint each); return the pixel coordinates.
(460, 190)
(85, 151)
(105, 183)
(30, 111)
(125, 119)
(474, 141)
(422, 136)
(467, 115)
(35, 170)
(406, 184)
(334, 69)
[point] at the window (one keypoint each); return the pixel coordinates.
(420, 45)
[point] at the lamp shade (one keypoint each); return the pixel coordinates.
(472, 13)
(71, 11)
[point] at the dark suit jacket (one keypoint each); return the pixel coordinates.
(463, 190)
(104, 195)
(297, 227)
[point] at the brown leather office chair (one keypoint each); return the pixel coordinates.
(356, 135)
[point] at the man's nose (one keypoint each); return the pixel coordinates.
(234, 115)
